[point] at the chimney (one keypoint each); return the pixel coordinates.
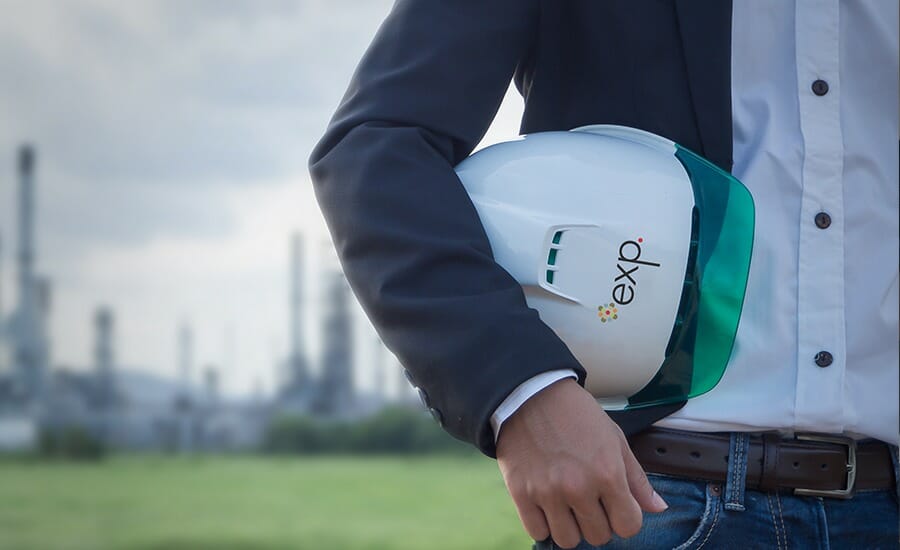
(297, 360)
(336, 393)
(103, 355)
(211, 385)
(29, 339)
(185, 356)
(184, 405)
(26, 227)
(2, 328)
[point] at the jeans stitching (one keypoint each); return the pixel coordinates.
(774, 526)
(710, 501)
(781, 519)
(735, 458)
(711, 528)
(734, 497)
(774, 523)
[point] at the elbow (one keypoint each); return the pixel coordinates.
(318, 163)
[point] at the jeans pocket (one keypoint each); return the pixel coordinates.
(708, 519)
(694, 512)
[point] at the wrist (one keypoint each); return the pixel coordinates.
(537, 405)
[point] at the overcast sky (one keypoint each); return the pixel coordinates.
(172, 141)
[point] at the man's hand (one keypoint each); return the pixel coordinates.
(569, 470)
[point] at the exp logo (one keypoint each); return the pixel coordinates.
(625, 283)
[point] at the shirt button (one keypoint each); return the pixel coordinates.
(820, 87)
(823, 220)
(823, 359)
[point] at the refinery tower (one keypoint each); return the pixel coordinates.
(26, 329)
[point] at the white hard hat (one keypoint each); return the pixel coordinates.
(634, 250)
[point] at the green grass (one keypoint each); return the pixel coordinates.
(260, 503)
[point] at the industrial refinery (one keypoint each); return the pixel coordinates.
(130, 409)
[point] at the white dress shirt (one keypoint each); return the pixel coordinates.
(805, 149)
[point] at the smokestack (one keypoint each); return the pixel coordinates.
(2, 317)
(4, 331)
(103, 354)
(28, 326)
(42, 297)
(299, 374)
(184, 402)
(185, 353)
(337, 392)
(26, 226)
(296, 295)
(211, 385)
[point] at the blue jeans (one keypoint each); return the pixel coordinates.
(723, 515)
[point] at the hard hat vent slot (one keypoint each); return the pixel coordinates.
(551, 255)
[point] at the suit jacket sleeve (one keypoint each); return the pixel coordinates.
(409, 238)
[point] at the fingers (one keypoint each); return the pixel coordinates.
(532, 518)
(648, 499)
(592, 507)
(593, 523)
(601, 502)
(563, 526)
(569, 470)
(622, 509)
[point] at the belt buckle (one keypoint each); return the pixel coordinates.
(848, 442)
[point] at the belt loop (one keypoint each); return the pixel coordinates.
(896, 461)
(736, 479)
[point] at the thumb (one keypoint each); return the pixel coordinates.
(648, 499)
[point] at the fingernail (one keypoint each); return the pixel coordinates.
(659, 502)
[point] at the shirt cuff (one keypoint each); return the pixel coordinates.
(523, 392)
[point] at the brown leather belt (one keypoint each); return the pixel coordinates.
(811, 464)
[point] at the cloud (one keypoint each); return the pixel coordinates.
(146, 113)
(170, 91)
(172, 143)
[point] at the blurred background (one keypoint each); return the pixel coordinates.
(182, 363)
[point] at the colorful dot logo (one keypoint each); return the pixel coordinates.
(608, 312)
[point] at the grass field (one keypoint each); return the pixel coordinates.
(258, 503)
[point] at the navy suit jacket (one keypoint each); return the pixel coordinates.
(424, 94)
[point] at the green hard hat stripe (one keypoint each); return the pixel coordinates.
(715, 281)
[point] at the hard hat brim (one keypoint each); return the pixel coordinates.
(709, 313)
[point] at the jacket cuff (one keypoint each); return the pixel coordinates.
(493, 364)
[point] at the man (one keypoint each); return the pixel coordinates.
(803, 96)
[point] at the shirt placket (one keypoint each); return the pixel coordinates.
(821, 348)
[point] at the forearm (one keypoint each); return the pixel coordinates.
(408, 236)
